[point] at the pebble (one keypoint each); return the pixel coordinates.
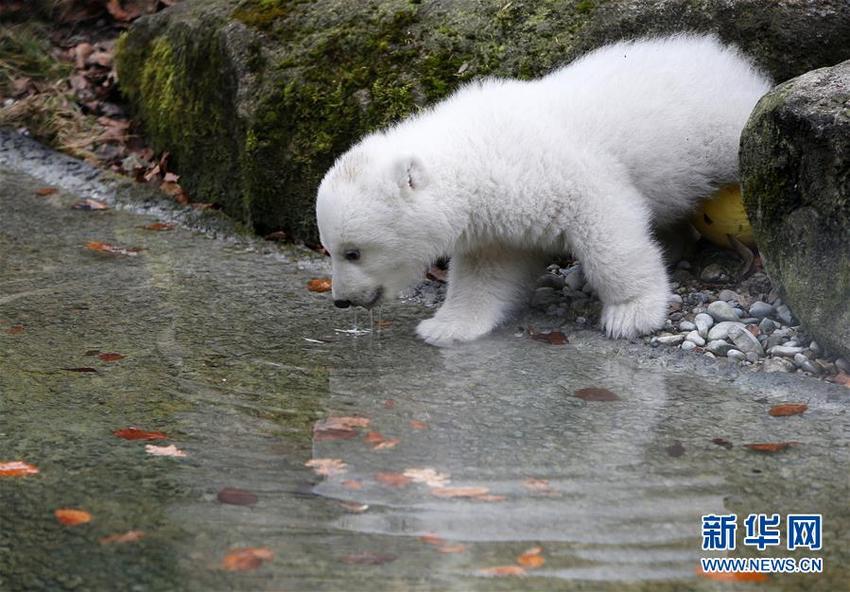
(816, 348)
(686, 326)
(752, 357)
(799, 360)
(574, 278)
(671, 339)
(713, 274)
(728, 296)
(809, 367)
(784, 314)
(843, 365)
(745, 341)
(722, 311)
(675, 298)
(718, 347)
(761, 309)
(543, 297)
(766, 326)
(721, 330)
(695, 338)
(689, 345)
(784, 351)
(703, 323)
(779, 365)
(550, 280)
(735, 354)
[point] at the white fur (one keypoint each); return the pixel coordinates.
(504, 172)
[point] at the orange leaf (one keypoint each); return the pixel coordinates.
(432, 539)
(735, 576)
(451, 548)
(45, 191)
(110, 357)
(17, 468)
(531, 558)
(770, 446)
(71, 517)
(319, 285)
(503, 570)
(131, 536)
(539, 485)
(326, 466)
(392, 479)
(338, 428)
(418, 425)
(15, 330)
(460, 491)
(133, 433)
(379, 441)
(596, 394)
(102, 247)
(89, 204)
(428, 476)
(159, 226)
(246, 558)
(787, 409)
(172, 450)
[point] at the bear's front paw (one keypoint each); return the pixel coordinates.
(446, 331)
(634, 317)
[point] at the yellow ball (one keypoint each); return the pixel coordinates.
(723, 214)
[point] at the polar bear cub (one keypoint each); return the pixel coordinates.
(505, 173)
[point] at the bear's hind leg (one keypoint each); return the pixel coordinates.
(484, 286)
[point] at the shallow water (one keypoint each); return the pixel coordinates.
(228, 353)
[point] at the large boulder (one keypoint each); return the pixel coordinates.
(255, 98)
(795, 166)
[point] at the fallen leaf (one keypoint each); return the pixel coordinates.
(343, 422)
(532, 558)
(102, 247)
(389, 404)
(171, 178)
(319, 285)
(553, 338)
(89, 204)
(15, 330)
(722, 442)
(158, 226)
(418, 425)
(171, 450)
(236, 497)
(134, 433)
(489, 498)
(334, 434)
(771, 446)
(596, 394)
(379, 442)
(367, 558)
(326, 466)
(276, 236)
(428, 476)
(71, 517)
(352, 484)
(471, 492)
(503, 570)
(246, 558)
(110, 357)
(676, 449)
(81, 370)
(451, 548)
(338, 428)
(384, 324)
(432, 539)
(45, 191)
(538, 485)
(735, 576)
(842, 378)
(787, 409)
(392, 479)
(354, 507)
(17, 468)
(131, 536)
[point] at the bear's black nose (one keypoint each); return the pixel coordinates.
(342, 303)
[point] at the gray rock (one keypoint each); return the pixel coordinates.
(761, 309)
(843, 365)
(752, 357)
(799, 360)
(713, 274)
(779, 365)
(543, 297)
(689, 345)
(728, 296)
(810, 367)
(766, 326)
(718, 347)
(703, 322)
(745, 341)
(551, 280)
(774, 340)
(734, 354)
(671, 339)
(574, 278)
(784, 351)
(722, 311)
(721, 330)
(686, 326)
(794, 170)
(675, 298)
(816, 348)
(695, 338)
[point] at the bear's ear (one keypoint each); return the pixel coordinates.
(410, 174)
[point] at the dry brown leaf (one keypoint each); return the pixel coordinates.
(531, 558)
(722, 442)
(15, 330)
(538, 485)
(45, 191)
(418, 425)
(89, 205)
(72, 517)
(770, 447)
(787, 409)
(503, 570)
(134, 433)
(319, 285)
(451, 492)
(596, 394)
(552, 338)
(171, 450)
(392, 479)
(110, 357)
(17, 468)
(159, 226)
(102, 247)
(246, 558)
(131, 536)
(338, 428)
(326, 466)
(379, 442)
(428, 476)
(451, 549)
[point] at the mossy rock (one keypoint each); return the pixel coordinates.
(255, 98)
(795, 167)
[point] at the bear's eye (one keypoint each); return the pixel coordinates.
(352, 255)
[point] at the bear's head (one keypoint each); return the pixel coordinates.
(374, 213)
